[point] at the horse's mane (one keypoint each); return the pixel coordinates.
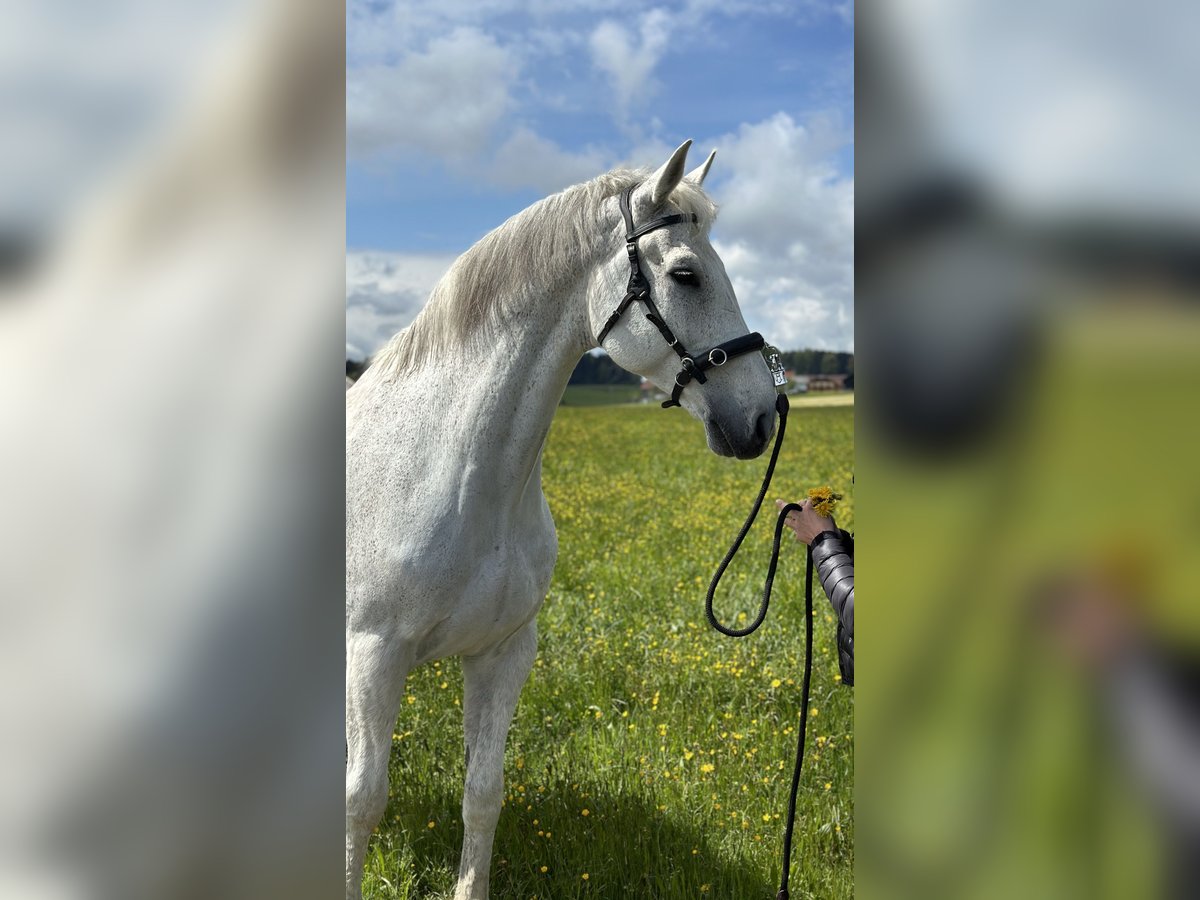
(533, 251)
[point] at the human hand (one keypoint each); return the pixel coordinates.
(805, 523)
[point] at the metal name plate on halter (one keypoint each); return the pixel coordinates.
(777, 371)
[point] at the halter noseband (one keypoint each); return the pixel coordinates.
(693, 365)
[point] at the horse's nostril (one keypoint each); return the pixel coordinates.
(762, 428)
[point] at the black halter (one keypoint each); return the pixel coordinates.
(693, 365)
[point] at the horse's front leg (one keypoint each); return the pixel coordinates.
(492, 683)
(376, 669)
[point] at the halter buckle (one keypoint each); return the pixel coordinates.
(724, 356)
(689, 367)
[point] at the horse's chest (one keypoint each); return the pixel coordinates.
(516, 570)
(505, 583)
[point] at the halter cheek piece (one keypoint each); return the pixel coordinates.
(693, 365)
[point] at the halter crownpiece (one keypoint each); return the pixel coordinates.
(693, 365)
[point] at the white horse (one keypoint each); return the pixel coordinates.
(449, 541)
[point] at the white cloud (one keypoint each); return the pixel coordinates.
(629, 61)
(528, 160)
(786, 230)
(446, 102)
(384, 292)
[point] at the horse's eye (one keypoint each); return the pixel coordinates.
(685, 276)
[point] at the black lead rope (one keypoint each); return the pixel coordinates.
(781, 406)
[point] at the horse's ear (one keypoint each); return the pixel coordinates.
(668, 177)
(696, 176)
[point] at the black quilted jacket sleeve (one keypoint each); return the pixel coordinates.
(833, 557)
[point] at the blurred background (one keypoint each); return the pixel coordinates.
(172, 278)
(1027, 274)
(171, 275)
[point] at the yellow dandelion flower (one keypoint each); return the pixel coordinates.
(823, 500)
(584, 876)
(585, 812)
(432, 825)
(544, 869)
(707, 767)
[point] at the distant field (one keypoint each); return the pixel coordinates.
(649, 753)
(823, 398)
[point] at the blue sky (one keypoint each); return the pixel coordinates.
(461, 113)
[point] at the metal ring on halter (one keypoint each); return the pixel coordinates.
(689, 366)
(724, 356)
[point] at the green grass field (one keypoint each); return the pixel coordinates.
(650, 756)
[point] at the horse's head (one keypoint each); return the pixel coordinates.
(694, 299)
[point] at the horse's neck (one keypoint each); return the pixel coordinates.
(510, 391)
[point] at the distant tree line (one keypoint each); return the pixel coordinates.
(600, 369)
(818, 362)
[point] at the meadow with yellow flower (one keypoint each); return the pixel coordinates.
(650, 756)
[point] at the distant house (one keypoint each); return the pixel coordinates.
(651, 392)
(827, 382)
(838, 382)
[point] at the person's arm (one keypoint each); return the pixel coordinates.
(833, 557)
